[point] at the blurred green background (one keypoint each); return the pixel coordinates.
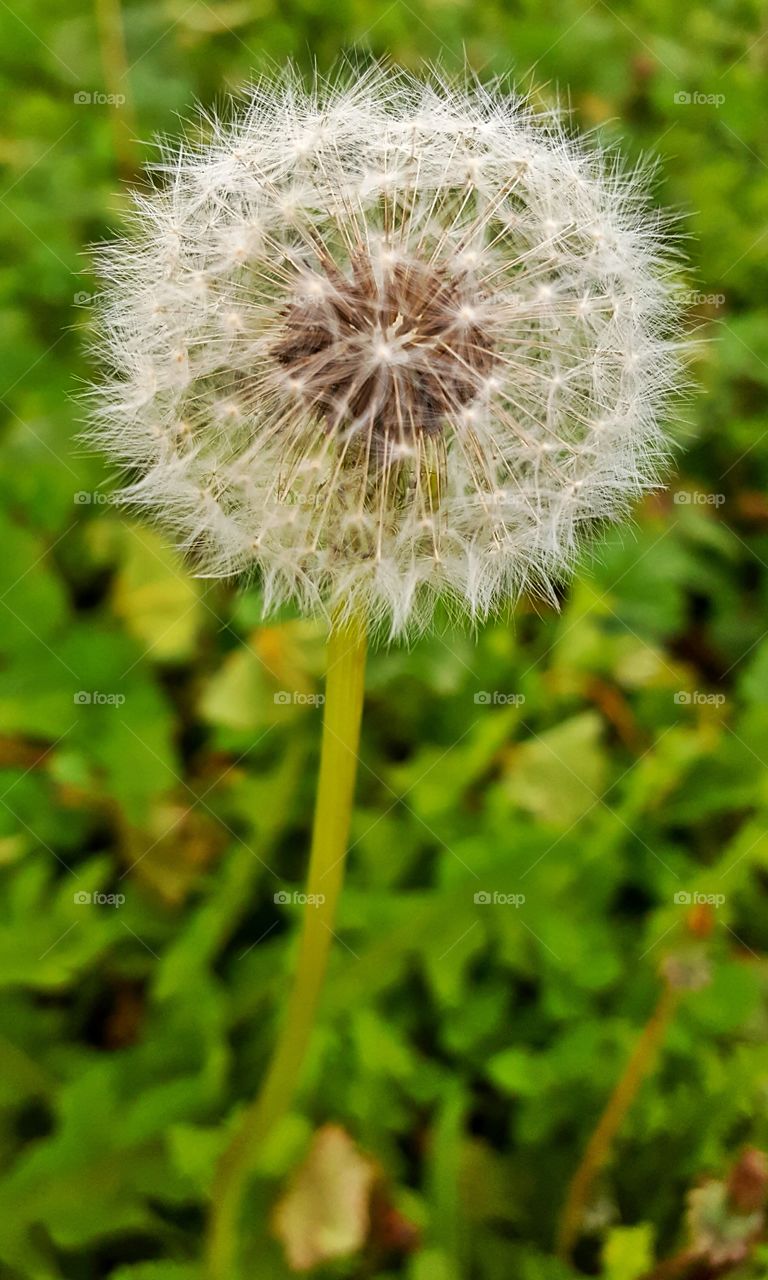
(467, 1047)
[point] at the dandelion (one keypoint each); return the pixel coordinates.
(385, 344)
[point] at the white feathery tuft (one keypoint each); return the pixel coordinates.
(388, 342)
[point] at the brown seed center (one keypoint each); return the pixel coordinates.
(395, 349)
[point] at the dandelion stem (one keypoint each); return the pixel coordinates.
(599, 1147)
(333, 810)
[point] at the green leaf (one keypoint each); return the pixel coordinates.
(628, 1252)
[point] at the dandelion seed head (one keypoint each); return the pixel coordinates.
(387, 342)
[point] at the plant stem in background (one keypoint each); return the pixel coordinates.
(598, 1148)
(114, 61)
(333, 811)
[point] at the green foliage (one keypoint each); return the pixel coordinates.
(515, 864)
(628, 1252)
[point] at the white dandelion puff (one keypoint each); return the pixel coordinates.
(387, 343)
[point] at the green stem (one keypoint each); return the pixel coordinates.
(330, 833)
(598, 1149)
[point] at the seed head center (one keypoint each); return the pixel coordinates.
(396, 347)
